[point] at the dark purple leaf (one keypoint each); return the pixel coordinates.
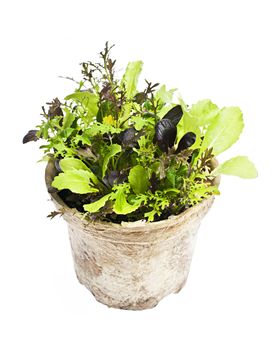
(174, 115)
(186, 141)
(55, 108)
(165, 134)
(129, 137)
(106, 93)
(30, 136)
(114, 177)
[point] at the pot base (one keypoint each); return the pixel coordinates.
(142, 303)
(138, 305)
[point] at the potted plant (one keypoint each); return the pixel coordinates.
(133, 173)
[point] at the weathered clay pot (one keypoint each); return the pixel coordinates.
(131, 265)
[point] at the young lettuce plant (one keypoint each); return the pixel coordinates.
(123, 155)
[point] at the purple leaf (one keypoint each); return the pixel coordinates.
(186, 141)
(30, 136)
(174, 115)
(165, 134)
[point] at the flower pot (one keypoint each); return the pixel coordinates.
(131, 265)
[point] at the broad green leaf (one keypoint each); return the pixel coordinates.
(121, 206)
(204, 111)
(131, 76)
(224, 130)
(68, 164)
(95, 206)
(130, 79)
(138, 179)
(77, 181)
(164, 95)
(238, 166)
(88, 100)
(68, 119)
(111, 152)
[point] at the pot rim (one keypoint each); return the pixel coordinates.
(68, 212)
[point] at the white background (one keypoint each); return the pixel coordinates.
(221, 50)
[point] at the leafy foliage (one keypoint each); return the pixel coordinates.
(239, 166)
(77, 181)
(110, 152)
(224, 130)
(138, 179)
(126, 154)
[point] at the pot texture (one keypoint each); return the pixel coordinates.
(131, 265)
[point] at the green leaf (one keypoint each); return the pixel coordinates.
(171, 190)
(112, 150)
(95, 206)
(201, 191)
(65, 133)
(61, 148)
(224, 130)
(138, 179)
(140, 122)
(188, 124)
(82, 138)
(155, 167)
(150, 215)
(171, 177)
(68, 119)
(238, 166)
(45, 158)
(68, 164)
(77, 181)
(121, 206)
(98, 128)
(204, 111)
(88, 100)
(164, 95)
(131, 77)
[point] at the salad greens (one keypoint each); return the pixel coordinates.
(123, 154)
